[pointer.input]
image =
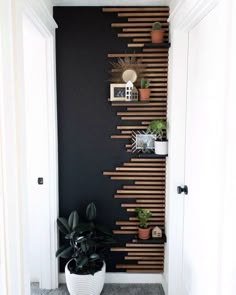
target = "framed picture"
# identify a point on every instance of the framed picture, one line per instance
(143, 142)
(117, 92)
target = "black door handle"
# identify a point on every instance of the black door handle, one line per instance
(182, 189)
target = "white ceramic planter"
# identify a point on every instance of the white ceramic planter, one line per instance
(85, 284)
(161, 147)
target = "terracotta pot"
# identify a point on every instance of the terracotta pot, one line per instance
(157, 36)
(144, 233)
(144, 94)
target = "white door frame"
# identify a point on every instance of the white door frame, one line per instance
(183, 18)
(14, 266)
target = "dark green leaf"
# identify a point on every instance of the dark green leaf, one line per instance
(91, 211)
(64, 252)
(80, 239)
(81, 262)
(94, 256)
(63, 225)
(70, 235)
(73, 220)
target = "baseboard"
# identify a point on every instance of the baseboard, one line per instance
(127, 278)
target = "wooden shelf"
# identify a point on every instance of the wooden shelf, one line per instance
(157, 45)
(151, 241)
(151, 155)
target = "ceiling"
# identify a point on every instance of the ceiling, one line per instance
(110, 2)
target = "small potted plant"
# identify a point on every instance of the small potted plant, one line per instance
(144, 91)
(85, 245)
(157, 33)
(158, 127)
(143, 230)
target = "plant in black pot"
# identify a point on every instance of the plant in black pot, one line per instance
(143, 230)
(158, 127)
(85, 247)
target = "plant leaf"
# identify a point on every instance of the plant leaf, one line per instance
(63, 225)
(91, 211)
(64, 251)
(73, 220)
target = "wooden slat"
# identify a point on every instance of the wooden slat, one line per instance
(162, 187)
(111, 173)
(139, 113)
(113, 55)
(128, 249)
(143, 258)
(147, 208)
(151, 218)
(144, 271)
(149, 201)
(145, 164)
(145, 14)
(140, 9)
(162, 20)
(145, 253)
(129, 223)
(138, 197)
(145, 262)
(142, 192)
(161, 160)
(130, 127)
(158, 246)
(120, 136)
(140, 169)
(143, 206)
(136, 266)
(136, 178)
(125, 232)
(142, 118)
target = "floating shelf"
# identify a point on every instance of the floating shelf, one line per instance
(151, 155)
(157, 45)
(151, 241)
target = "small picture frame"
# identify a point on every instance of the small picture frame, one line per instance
(143, 142)
(117, 92)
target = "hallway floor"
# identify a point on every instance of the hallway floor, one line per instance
(109, 289)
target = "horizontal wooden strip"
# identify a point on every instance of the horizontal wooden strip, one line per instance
(153, 60)
(144, 164)
(120, 136)
(141, 40)
(147, 208)
(138, 113)
(152, 70)
(132, 35)
(147, 187)
(138, 245)
(127, 249)
(143, 9)
(157, 206)
(145, 253)
(125, 232)
(144, 271)
(138, 197)
(161, 160)
(154, 65)
(113, 55)
(130, 127)
(135, 25)
(147, 109)
(136, 178)
(145, 14)
(142, 118)
(149, 201)
(140, 169)
(129, 223)
(143, 192)
(111, 173)
(162, 20)
(144, 258)
(148, 183)
(127, 104)
(145, 262)
(129, 227)
(127, 132)
(136, 266)
(151, 218)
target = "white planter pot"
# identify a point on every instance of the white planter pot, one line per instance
(85, 284)
(161, 147)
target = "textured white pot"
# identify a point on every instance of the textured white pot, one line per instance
(85, 284)
(161, 147)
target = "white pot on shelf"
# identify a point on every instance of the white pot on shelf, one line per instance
(85, 284)
(161, 148)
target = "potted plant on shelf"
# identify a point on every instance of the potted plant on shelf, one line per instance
(157, 33)
(143, 230)
(158, 127)
(144, 91)
(85, 248)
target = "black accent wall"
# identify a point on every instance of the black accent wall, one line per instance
(85, 117)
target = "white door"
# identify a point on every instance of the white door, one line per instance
(204, 158)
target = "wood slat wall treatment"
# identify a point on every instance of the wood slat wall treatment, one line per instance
(145, 176)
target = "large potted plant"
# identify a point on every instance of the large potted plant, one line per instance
(144, 91)
(158, 128)
(85, 247)
(143, 230)
(157, 33)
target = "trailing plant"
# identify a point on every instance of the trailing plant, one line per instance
(157, 127)
(143, 215)
(85, 242)
(144, 84)
(156, 26)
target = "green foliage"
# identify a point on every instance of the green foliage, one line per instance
(157, 127)
(144, 84)
(156, 26)
(85, 242)
(143, 215)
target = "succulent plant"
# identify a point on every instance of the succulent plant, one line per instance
(144, 84)
(157, 127)
(143, 215)
(156, 26)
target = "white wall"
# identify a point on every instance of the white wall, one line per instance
(110, 2)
